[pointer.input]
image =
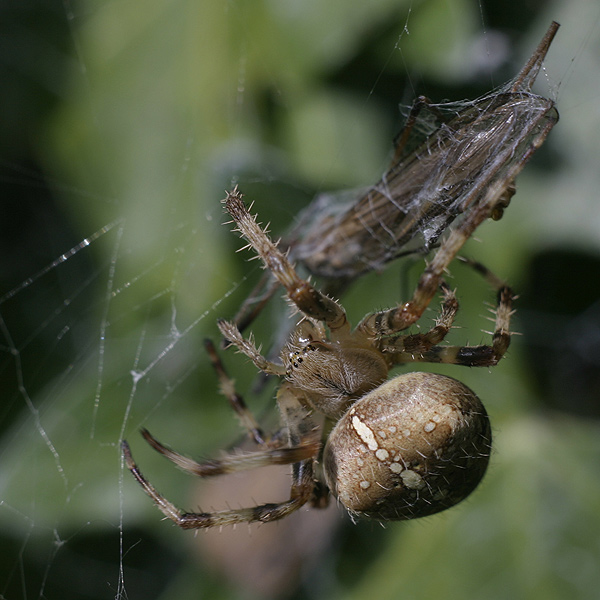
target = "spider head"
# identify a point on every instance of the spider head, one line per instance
(333, 374)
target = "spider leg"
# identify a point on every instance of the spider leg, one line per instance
(247, 346)
(301, 492)
(472, 356)
(231, 463)
(253, 305)
(418, 342)
(302, 445)
(236, 401)
(308, 299)
(295, 415)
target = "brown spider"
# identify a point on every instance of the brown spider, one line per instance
(399, 449)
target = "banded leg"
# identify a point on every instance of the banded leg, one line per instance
(472, 356)
(301, 493)
(302, 446)
(236, 401)
(231, 463)
(420, 341)
(308, 299)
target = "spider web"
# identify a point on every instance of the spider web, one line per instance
(116, 264)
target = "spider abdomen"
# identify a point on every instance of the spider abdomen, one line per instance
(416, 445)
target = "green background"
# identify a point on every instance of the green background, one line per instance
(124, 123)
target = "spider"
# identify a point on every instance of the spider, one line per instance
(386, 449)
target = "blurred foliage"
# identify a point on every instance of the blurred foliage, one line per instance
(135, 117)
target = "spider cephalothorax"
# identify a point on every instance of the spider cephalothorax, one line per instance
(399, 449)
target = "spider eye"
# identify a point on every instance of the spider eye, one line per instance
(414, 446)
